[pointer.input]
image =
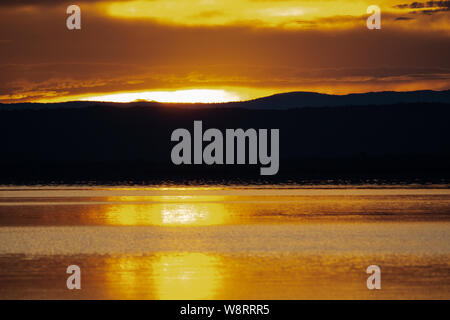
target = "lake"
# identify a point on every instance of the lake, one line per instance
(225, 242)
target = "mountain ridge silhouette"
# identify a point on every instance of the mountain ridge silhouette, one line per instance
(280, 101)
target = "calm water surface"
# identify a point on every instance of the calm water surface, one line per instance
(217, 242)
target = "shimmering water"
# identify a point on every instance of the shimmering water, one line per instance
(217, 242)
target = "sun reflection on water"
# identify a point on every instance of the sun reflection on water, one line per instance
(187, 276)
(167, 214)
(167, 276)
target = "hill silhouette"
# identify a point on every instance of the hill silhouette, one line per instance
(288, 100)
(311, 99)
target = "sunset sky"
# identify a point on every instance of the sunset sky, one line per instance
(218, 50)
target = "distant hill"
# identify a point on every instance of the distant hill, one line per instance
(311, 99)
(289, 100)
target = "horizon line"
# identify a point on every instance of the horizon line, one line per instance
(87, 100)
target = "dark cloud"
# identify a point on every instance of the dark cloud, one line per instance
(431, 11)
(438, 6)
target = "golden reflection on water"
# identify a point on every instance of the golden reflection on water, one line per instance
(186, 276)
(172, 276)
(189, 209)
(200, 210)
(205, 276)
(167, 214)
(160, 270)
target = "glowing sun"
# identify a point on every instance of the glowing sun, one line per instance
(180, 96)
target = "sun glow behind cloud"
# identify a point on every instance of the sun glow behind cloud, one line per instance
(208, 12)
(178, 96)
(266, 13)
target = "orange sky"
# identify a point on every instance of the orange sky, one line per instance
(241, 49)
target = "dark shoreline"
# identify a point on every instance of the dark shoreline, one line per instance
(317, 172)
(108, 145)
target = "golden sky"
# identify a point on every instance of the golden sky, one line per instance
(218, 50)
